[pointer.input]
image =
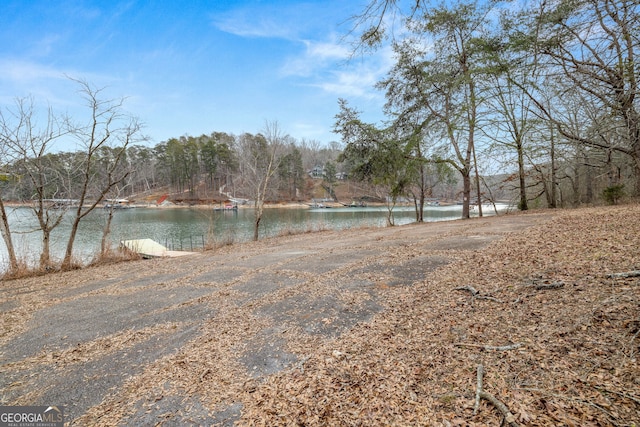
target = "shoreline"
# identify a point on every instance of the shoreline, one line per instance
(278, 205)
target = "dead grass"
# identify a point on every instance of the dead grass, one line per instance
(23, 270)
(114, 256)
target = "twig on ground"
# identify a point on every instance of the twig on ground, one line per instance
(480, 393)
(543, 286)
(204, 374)
(491, 347)
(490, 298)
(478, 389)
(624, 275)
(508, 416)
(467, 288)
(475, 293)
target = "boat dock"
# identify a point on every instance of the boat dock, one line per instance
(148, 248)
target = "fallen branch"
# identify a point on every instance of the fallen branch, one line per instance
(468, 288)
(491, 347)
(508, 416)
(543, 286)
(625, 275)
(490, 298)
(541, 283)
(478, 389)
(475, 293)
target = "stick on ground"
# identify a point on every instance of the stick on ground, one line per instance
(625, 275)
(478, 389)
(508, 416)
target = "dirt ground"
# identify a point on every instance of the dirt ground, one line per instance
(357, 327)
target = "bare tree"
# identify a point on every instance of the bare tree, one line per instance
(592, 46)
(260, 157)
(5, 230)
(108, 127)
(27, 145)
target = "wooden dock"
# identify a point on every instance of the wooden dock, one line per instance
(148, 248)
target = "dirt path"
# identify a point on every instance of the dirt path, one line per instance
(187, 341)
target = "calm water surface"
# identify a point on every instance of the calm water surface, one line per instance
(191, 228)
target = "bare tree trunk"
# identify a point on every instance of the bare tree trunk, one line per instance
(48, 219)
(108, 128)
(466, 194)
(106, 232)
(390, 217)
(421, 196)
(553, 197)
(8, 241)
(475, 166)
(256, 223)
(45, 254)
(524, 204)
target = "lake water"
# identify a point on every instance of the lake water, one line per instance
(192, 228)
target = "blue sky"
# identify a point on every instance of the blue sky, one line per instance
(193, 67)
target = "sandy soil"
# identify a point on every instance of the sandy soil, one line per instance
(358, 327)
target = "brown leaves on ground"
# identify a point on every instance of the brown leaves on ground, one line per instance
(578, 365)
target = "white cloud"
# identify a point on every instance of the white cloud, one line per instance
(323, 59)
(262, 28)
(48, 85)
(329, 66)
(24, 71)
(328, 50)
(316, 56)
(266, 21)
(359, 83)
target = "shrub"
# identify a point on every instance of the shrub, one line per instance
(613, 194)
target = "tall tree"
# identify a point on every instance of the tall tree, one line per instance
(261, 155)
(511, 119)
(291, 172)
(438, 86)
(107, 126)
(143, 164)
(27, 143)
(174, 159)
(5, 229)
(592, 45)
(374, 155)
